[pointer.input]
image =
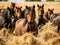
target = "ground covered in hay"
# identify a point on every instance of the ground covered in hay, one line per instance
(47, 35)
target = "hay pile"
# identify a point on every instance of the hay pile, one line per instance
(3, 36)
(26, 39)
(47, 35)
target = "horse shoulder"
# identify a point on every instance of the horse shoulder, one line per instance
(18, 21)
(19, 28)
(24, 29)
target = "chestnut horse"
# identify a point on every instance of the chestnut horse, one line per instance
(17, 13)
(27, 24)
(48, 13)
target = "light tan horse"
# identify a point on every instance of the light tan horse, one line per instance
(27, 24)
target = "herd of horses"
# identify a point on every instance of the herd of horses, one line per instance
(21, 21)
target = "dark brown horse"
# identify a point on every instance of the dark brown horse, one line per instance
(27, 24)
(5, 15)
(11, 19)
(40, 19)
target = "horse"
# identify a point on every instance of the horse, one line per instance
(40, 19)
(55, 20)
(27, 24)
(5, 15)
(54, 15)
(1, 22)
(11, 19)
(49, 13)
(17, 13)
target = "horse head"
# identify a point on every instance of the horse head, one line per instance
(40, 10)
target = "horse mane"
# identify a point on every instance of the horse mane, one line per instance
(25, 21)
(46, 14)
(23, 14)
(33, 13)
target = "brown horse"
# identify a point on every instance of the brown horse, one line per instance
(17, 13)
(27, 24)
(48, 13)
(40, 19)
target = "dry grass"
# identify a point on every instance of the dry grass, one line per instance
(47, 36)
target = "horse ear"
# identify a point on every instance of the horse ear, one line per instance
(16, 7)
(43, 6)
(8, 8)
(48, 9)
(37, 5)
(20, 7)
(26, 7)
(34, 6)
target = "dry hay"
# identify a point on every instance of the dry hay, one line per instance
(4, 32)
(47, 35)
(48, 26)
(41, 42)
(2, 42)
(55, 41)
(26, 39)
(3, 36)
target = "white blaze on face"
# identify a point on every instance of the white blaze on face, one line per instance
(18, 15)
(37, 19)
(12, 20)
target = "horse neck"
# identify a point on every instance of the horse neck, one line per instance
(46, 15)
(31, 27)
(25, 22)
